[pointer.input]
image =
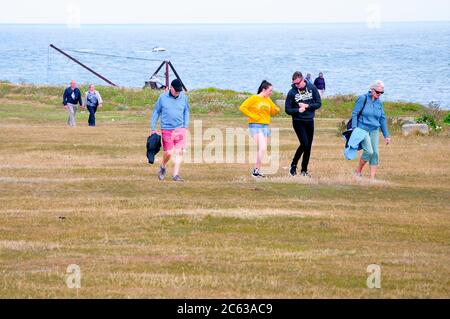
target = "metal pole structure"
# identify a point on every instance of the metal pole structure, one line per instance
(159, 68)
(167, 74)
(176, 74)
(84, 66)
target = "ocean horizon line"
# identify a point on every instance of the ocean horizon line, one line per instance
(228, 23)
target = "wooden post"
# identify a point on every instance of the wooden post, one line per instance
(167, 73)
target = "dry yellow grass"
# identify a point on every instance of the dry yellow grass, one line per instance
(87, 196)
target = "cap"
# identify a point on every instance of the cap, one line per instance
(177, 85)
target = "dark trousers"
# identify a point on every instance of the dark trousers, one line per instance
(305, 135)
(92, 110)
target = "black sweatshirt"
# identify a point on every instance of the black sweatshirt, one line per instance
(308, 95)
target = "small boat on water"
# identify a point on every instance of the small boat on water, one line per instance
(158, 49)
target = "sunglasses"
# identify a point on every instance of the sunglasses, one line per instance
(378, 92)
(297, 83)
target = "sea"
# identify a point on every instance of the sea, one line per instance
(413, 59)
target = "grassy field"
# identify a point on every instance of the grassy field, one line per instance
(87, 196)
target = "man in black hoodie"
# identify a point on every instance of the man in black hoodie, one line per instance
(301, 103)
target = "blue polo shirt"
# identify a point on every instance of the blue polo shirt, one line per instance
(173, 111)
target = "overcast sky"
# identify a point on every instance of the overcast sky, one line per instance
(227, 11)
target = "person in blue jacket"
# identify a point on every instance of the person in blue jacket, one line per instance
(371, 119)
(71, 99)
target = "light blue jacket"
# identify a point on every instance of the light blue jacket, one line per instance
(372, 116)
(354, 144)
(174, 112)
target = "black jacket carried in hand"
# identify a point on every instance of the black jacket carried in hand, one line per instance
(308, 95)
(153, 147)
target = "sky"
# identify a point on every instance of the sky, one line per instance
(228, 11)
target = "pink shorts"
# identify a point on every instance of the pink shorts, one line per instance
(173, 138)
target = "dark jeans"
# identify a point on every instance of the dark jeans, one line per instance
(305, 135)
(92, 110)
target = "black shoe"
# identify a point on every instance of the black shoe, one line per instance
(305, 174)
(256, 173)
(293, 170)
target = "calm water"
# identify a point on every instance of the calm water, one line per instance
(412, 58)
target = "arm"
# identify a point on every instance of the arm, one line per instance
(156, 114)
(359, 104)
(244, 108)
(290, 106)
(274, 109)
(383, 124)
(317, 101)
(186, 114)
(80, 100)
(65, 98)
(100, 100)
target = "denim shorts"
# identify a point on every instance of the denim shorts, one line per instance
(255, 128)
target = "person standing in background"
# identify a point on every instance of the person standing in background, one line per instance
(319, 82)
(309, 78)
(71, 99)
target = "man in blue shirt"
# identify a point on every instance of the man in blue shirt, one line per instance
(71, 99)
(173, 109)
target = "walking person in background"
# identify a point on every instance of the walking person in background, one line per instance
(319, 82)
(368, 115)
(259, 108)
(302, 101)
(173, 109)
(92, 100)
(71, 99)
(309, 78)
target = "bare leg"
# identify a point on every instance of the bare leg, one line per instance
(360, 166)
(166, 158)
(177, 161)
(261, 142)
(373, 171)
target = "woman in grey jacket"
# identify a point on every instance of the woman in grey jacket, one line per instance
(92, 100)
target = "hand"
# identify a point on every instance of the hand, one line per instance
(100, 105)
(302, 109)
(65, 106)
(155, 132)
(387, 140)
(303, 105)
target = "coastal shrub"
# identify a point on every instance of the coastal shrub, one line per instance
(429, 120)
(447, 119)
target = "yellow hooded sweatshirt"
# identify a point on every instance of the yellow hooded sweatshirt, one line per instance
(259, 109)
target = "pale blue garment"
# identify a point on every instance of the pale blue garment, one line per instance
(354, 144)
(370, 146)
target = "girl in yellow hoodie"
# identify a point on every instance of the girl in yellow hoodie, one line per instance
(258, 108)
